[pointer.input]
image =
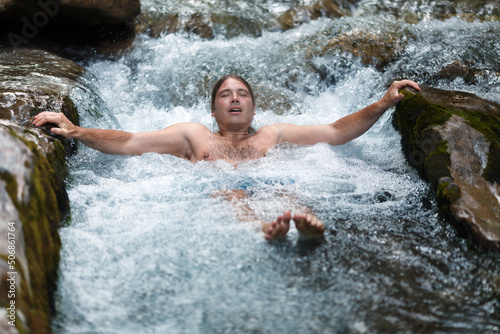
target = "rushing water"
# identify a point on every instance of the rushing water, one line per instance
(152, 248)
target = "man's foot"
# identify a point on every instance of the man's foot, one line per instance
(277, 228)
(309, 226)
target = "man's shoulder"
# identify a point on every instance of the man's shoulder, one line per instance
(269, 128)
(188, 126)
(276, 128)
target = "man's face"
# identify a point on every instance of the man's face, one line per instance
(234, 108)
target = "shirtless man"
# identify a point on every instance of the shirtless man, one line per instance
(233, 107)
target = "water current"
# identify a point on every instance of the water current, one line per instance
(152, 248)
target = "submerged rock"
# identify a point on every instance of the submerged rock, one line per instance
(453, 139)
(205, 19)
(415, 11)
(304, 13)
(232, 18)
(467, 70)
(378, 49)
(33, 196)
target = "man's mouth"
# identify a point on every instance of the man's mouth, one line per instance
(235, 110)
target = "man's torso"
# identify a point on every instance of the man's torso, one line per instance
(212, 146)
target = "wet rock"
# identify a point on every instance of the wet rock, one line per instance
(453, 139)
(468, 10)
(373, 49)
(466, 70)
(33, 196)
(206, 20)
(305, 13)
(33, 81)
(230, 18)
(199, 25)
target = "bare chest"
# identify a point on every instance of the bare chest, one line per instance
(217, 148)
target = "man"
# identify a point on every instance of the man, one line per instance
(233, 107)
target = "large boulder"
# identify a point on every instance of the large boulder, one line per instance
(85, 12)
(104, 25)
(453, 139)
(33, 198)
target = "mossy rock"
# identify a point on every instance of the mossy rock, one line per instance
(32, 174)
(413, 115)
(453, 140)
(35, 188)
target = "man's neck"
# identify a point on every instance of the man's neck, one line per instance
(234, 135)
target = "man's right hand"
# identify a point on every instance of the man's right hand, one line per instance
(64, 126)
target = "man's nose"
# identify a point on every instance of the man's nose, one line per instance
(234, 97)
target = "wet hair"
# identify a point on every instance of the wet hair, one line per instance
(219, 83)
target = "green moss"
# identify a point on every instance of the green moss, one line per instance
(415, 114)
(41, 220)
(69, 109)
(492, 170)
(11, 183)
(437, 163)
(447, 194)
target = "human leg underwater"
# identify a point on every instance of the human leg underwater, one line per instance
(307, 224)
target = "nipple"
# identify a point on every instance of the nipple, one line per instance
(206, 156)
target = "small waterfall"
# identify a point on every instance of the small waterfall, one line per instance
(152, 248)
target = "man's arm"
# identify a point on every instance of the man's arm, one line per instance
(348, 127)
(171, 140)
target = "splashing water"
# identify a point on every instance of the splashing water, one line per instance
(152, 249)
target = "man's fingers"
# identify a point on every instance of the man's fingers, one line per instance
(403, 83)
(47, 117)
(64, 126)
(415, 85)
